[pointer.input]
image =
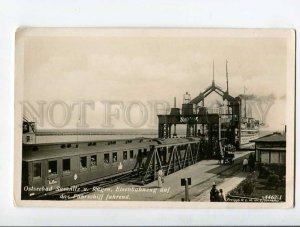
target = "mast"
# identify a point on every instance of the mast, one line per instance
(174, 102)
(245, 101)
(227, 76)
(227, 86)
(213, 82)
(175, 133)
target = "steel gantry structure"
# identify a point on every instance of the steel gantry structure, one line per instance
(213, 124)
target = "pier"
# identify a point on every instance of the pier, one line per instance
(202, 175)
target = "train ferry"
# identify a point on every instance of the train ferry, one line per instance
(249, 130)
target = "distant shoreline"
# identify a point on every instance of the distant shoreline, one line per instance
(98, 132)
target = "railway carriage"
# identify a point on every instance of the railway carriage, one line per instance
(47, 167)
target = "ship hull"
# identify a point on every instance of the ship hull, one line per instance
(247, 136)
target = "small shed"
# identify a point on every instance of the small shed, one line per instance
(271, 148)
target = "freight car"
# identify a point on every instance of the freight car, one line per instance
(48, 167)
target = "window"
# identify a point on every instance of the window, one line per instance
(66, 166)
(131, 154)
(52, 167)
(37, 170)
(25, 127)
(111, 142)
(274, 155)
(27, 138)
(265, 156)
(145, 152)
(282, 157)
(35, 148)
(106, 158)
(83, 163)
(115, 157)
(124, 155)
(140, 155)
(93, 161)
(140, 152)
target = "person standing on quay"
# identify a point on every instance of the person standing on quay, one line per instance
(221, 196)
(245, 163)
(214, 193)
(251, 162)
(160, 177)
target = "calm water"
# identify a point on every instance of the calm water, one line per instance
(112, 135)
(70, 138)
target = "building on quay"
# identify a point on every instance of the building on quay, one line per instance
(271, 149)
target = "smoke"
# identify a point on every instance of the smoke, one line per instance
(263, 98)
(267, 98)
(248, 97)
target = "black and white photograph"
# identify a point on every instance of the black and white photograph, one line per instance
(155, 117)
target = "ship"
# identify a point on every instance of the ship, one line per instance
(249, 130)
(249, 126)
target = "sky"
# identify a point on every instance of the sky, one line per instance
(146, 68)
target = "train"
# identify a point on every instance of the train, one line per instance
(48, 167)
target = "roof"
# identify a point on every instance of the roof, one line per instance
(48, 152)
(177, 140)
(275, 137)
(272, 148)
(32, 152)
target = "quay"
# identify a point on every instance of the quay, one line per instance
(202, 175)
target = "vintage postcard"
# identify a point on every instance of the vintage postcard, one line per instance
(146, 117)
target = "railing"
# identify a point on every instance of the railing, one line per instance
(219, 110)
(174, 168)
